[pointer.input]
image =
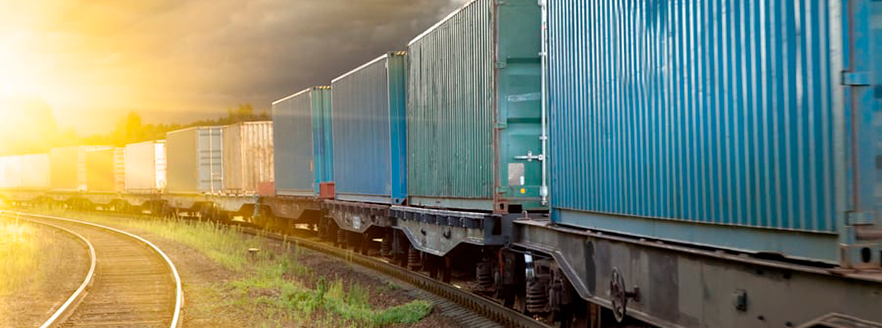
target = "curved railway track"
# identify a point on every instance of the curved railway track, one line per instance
(131, 282)
(480, 306)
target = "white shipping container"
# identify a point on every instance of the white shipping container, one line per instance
(10, 172)
(247, 156)
(35, 171)
(195, 160)
(145, 167)
(67, 167)
(24, 172)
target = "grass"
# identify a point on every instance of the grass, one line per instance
(276, 284)
(39, 262)
(19, 253)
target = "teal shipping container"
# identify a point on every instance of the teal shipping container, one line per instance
(743, 125)
(369, 131)
(302, 141)
(474, 110)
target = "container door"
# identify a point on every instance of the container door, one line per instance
(875, 57)
(863, 100)
(862, 41)
(518, 128)
(210, 160)
(321, 134)
(161, 166)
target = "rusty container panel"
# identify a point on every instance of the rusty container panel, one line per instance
(248, 156)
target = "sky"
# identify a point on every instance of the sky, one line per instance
(175, 61)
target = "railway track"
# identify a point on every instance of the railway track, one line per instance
(482, 306)
(131, 282)
(484, 312)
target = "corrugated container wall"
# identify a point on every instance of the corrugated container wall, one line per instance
(248, 156)
(67, 167)
(145, 167)
(716, 123)
(24, 172)
(370, 133)
(474, 106)
(302, 140)
(100, 170)
(195, 160)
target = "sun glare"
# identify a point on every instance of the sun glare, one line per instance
(14, 79)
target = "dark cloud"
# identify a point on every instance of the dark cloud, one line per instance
(179, 60)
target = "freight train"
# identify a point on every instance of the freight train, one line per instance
(680, 163)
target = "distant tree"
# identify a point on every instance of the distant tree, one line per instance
(131, 129)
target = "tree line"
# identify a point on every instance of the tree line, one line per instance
(131, 128)
(28, 125)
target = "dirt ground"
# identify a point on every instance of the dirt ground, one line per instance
(45, 267)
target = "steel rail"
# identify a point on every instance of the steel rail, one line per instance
(80, 292)
(179, 294)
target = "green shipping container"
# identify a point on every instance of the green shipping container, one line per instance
(474, 109)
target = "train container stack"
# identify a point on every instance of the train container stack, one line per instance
(69, 167)
(101, 170)
(369, 135)
(145, 167)
(10, 172)
(709, 161)
(247, 157)
(195, 160)
(474, 152)
(303, 156)
(23, 178)
(709, 142)
(302, 138)
(473, 117)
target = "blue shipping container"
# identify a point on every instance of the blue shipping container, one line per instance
(720, 123)
(369, 131)
(302, 141)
